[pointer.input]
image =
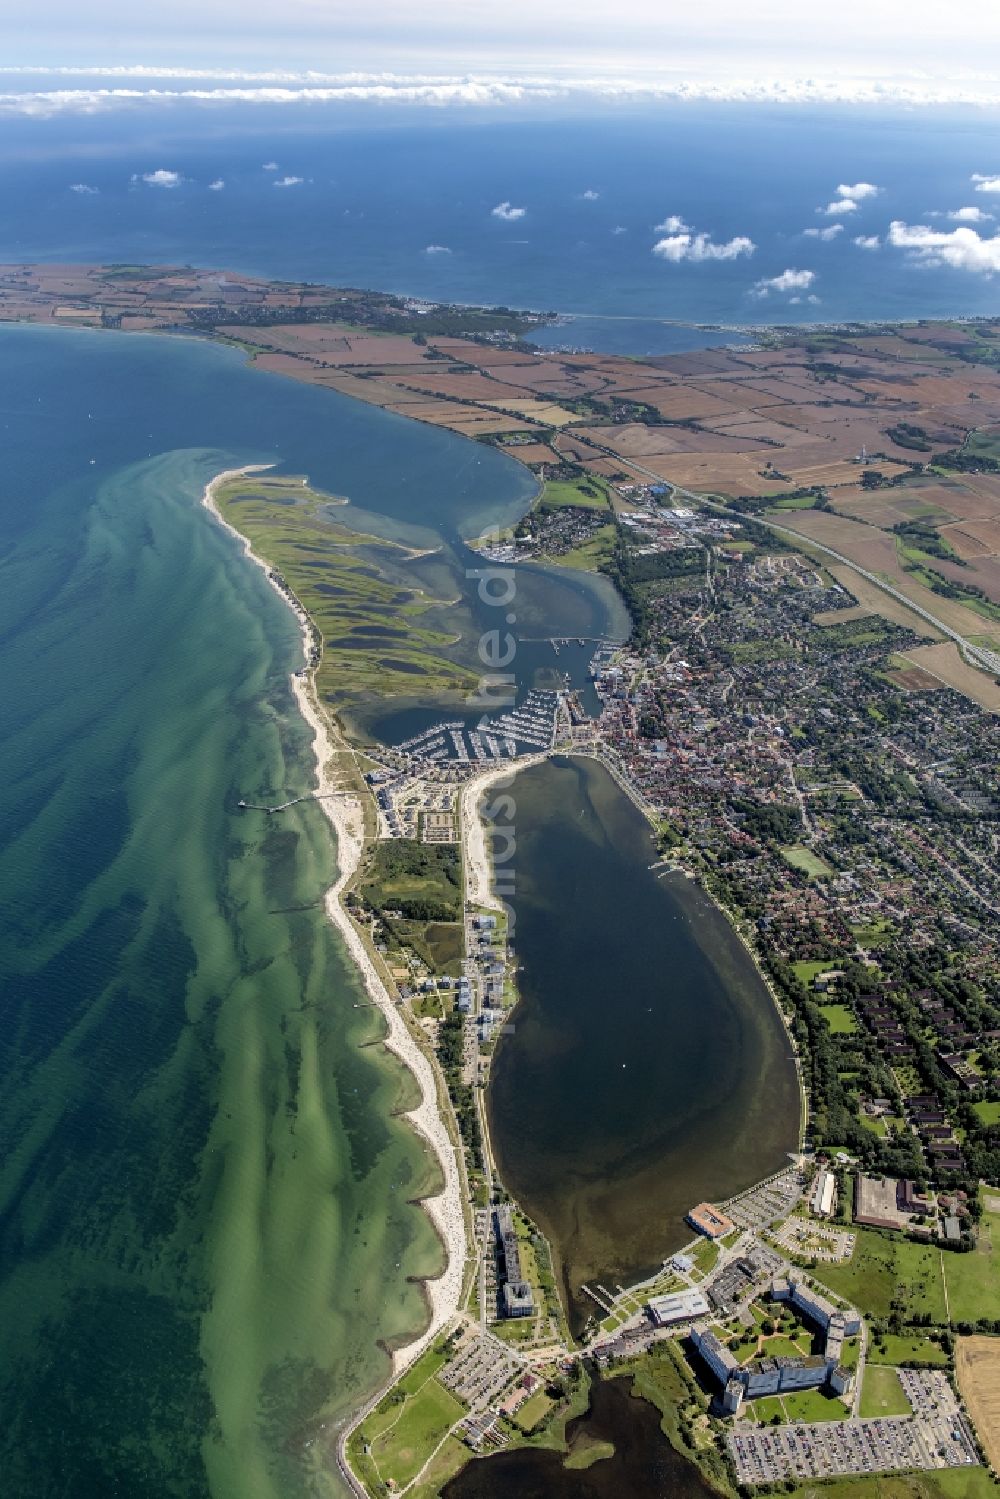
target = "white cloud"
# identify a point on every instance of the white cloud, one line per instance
(217, 185)
(83, 188)
(962, 249)
(789, 280)
(619, 229)
(269, 166)
(985, 184)
(672, 224)
(839, 205)
(858, 191)
(135, 85)
(866, 241)
(698, 247)
(437, 250)
(160, 178)
(826, 234)
(590, 196)
(969, 216)
(507, 212)
(287, 181)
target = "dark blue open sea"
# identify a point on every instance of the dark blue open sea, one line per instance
(402, 199)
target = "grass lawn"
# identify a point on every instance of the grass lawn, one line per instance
(586, 493)
(451, 1459)
(534, 1408)
(813, 1405)
(780, 1347)
(987, 1113)
(401, 1450)
(764, 1409)
(903, 1350)
(806, 971)
(882, 1266)
(948, 1483)
(973, 1279)
(706, 1255)
(882, 1393)
(811, 864)
(839, 1018)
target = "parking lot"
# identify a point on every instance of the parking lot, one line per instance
(481, 1370)
(767, 1203)
(936, 1436)
(816, 1241)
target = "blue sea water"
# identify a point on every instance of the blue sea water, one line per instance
(402, 200)
(208, 1210)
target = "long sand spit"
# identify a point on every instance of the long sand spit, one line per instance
(445, 1208)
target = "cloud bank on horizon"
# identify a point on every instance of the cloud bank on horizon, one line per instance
(101, 87)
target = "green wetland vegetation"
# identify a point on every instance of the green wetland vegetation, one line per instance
(380, 629)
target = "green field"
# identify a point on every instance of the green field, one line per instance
(585, 493)
(882, 1269)
(949, 1483)
(765, 1409)
(806, 970)
(974, 1279)
(882, 1393)
(383, 635)
(534, 1408)
(809, 863)
(813, 1405)
(840, 1019)
(907, 1350)
(451, 1459)
(402, 1448)
(987, 1113)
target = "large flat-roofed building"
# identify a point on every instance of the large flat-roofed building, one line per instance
(683, 1306)
(516, 1299)
(816, 1307)
(708, 1220)
(716, 1355)
(824, 1194)
(876, 1203)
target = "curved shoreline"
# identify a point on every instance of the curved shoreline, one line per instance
(445, 1208)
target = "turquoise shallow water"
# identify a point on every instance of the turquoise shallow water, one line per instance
(206, 1225)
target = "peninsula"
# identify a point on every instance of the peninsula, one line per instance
(807, 536)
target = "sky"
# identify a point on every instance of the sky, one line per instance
(919, 42)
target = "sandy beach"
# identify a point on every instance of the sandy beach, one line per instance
(478, 865)
(446, 1208)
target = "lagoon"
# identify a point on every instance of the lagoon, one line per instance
(646, 1068)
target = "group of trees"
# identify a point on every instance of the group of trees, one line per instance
(450, 1043)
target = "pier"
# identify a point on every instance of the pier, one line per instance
(309, 796)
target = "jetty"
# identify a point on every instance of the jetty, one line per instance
(309, 796)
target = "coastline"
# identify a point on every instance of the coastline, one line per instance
(446, 1207)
